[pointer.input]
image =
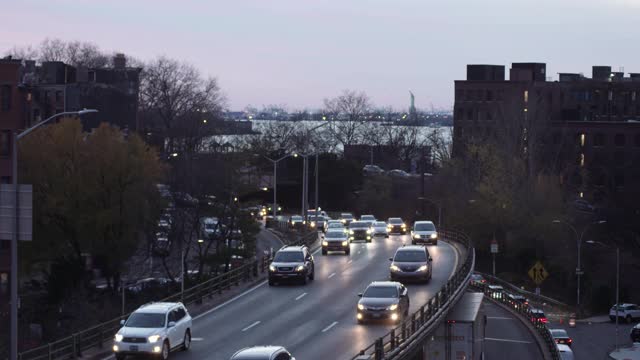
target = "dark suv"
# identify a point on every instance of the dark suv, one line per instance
(360, 230)
(396, 226)
(411, 263)
(292, 262)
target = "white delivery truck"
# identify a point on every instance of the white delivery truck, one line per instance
(461, 335)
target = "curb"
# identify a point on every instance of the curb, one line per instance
(543, 349)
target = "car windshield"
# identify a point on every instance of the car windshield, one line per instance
(358, 225)
(336, 234)
(316, 218)
(288, 256)
(296, 218)
(559, 333)
(424, 227)
(620, 307)
(335, 225)
(381, 292)
(367, 217)
(395, 221)
(410, 256)
(380, 224)
(346, 216)
(146, 320)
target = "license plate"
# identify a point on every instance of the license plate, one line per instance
(376, 315)
(133, 348)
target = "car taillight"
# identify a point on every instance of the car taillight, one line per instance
(544, 320)
(569, 340)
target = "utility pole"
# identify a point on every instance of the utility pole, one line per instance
(617, 292)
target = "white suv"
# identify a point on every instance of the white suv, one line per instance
(627, 312)
(424, 232)
(154, 328)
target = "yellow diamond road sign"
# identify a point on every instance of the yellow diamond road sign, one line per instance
(538, 273)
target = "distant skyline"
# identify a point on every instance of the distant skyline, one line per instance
(297, 53)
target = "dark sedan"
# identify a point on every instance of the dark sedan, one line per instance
(396, 226)
(383, 300)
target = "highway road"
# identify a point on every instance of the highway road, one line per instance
(316, 321)
(506, 337)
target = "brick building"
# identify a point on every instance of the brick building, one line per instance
(577, 123)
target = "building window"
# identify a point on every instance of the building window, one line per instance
(598, 139)
(619, 139)
(5, 143)
(58, 96)
(5, 97)
(619, 158)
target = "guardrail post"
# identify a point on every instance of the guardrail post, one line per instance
(404, 332)
(100, 342)
(49, 352)
(422, 320)
(75, 354)
(393, 338)
(379, 352)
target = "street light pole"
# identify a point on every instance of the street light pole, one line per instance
(275, 181)
(617, 291)
(16, 227)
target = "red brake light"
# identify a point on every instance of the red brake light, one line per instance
(569, 340)
(544, 320)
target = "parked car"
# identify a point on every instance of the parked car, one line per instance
(292, 263)
(627, 312)
(372, 170)
(560, 336)
(380, 229)
(411, 262)
(635, 333)
(424, 232)
(209, 227)
(263, 353)
(383, 300)
(154, 329)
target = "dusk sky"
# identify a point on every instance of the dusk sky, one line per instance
(298, 52)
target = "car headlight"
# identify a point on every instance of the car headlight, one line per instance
(351, 232)
(434, 235)
(119, 337)
(392, 307)
(325, 243)
(343, 221)
(272, 268)
(369, 231)
(300, 268)
(153, 338)
(422, 268)
(361, 307)
(416, 236)
(403, 225)
(313, 224)
(394, 268)
(345, 243)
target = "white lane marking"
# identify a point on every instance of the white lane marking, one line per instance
(197, 339)
(301, 296)
(332, 275)
(230, 301)
(349, 262)
(330, 326)
(499, 318)
(455, 264)
(509, 340)
(250, 326)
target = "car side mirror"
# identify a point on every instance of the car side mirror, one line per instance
(390, 259)
(171, 324)
(122, 322)
(430, 258)
(360, 295)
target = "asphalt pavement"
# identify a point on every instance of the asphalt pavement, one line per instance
(316, 321)
(506, 337)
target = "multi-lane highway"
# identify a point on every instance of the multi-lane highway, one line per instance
(316, 321)
(506, 337)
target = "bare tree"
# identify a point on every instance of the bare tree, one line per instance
(176, 98)
(23, 52)
(76, 53)
(350, 109)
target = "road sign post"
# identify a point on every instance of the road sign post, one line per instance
(494, 251)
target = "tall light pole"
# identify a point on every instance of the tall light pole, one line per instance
(275, 174)
(16, 226)
(579, 246)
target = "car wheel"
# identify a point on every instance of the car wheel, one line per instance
(313, 274)
(164, 353)
(369, 240)
(386, 236)
(629, 319)
(324, 252)
(347, 252)
(304, 280)
(186, 342)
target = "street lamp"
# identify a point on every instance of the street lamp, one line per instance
(617, 282)
(579, 245)
(14, 241)
(275, 174)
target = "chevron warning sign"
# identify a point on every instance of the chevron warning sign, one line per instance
(538, 273)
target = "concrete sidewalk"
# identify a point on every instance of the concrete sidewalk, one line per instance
(628, 353)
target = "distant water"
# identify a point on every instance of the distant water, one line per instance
(424, 131)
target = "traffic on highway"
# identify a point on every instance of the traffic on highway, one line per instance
(316, 303)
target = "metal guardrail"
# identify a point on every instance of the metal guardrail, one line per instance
(405, 339)
(71, 347)
(524, 312)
